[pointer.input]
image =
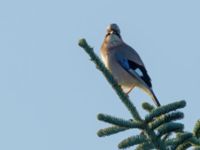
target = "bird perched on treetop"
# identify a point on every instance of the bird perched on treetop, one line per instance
(124, 63)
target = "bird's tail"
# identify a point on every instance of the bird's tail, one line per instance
(150, 92)
(156, 101)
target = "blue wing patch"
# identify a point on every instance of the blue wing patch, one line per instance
(123, 62)
(130, 66)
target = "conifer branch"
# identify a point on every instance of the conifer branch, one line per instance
(166, 118)
(196, 130)
(120, 122)
(195, 141)
(131, 141)
(165, 109)
(148, 107)
(184, 146)
(145, 146)
(111, 130)
(170, 127)
(181, 139)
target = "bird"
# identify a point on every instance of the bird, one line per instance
(125, 64)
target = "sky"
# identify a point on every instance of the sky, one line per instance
(50, 91)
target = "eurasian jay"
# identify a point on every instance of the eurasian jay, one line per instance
(125, 64)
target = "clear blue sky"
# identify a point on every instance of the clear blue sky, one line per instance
(50, 93)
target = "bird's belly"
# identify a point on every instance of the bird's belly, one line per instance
(124, 79)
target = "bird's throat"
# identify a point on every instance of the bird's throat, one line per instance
(113, 41)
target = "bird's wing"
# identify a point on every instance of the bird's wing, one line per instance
(129, 60)
(132, 63)
(129, 53)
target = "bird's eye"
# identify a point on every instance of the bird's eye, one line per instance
(108, 34)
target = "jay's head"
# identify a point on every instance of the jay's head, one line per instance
(113, 29)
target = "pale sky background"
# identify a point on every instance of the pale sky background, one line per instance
(51, 93)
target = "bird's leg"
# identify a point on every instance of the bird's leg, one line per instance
(129, 91)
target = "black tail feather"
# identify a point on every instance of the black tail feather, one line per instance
(156, 101)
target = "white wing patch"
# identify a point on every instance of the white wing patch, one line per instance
(139, 72)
